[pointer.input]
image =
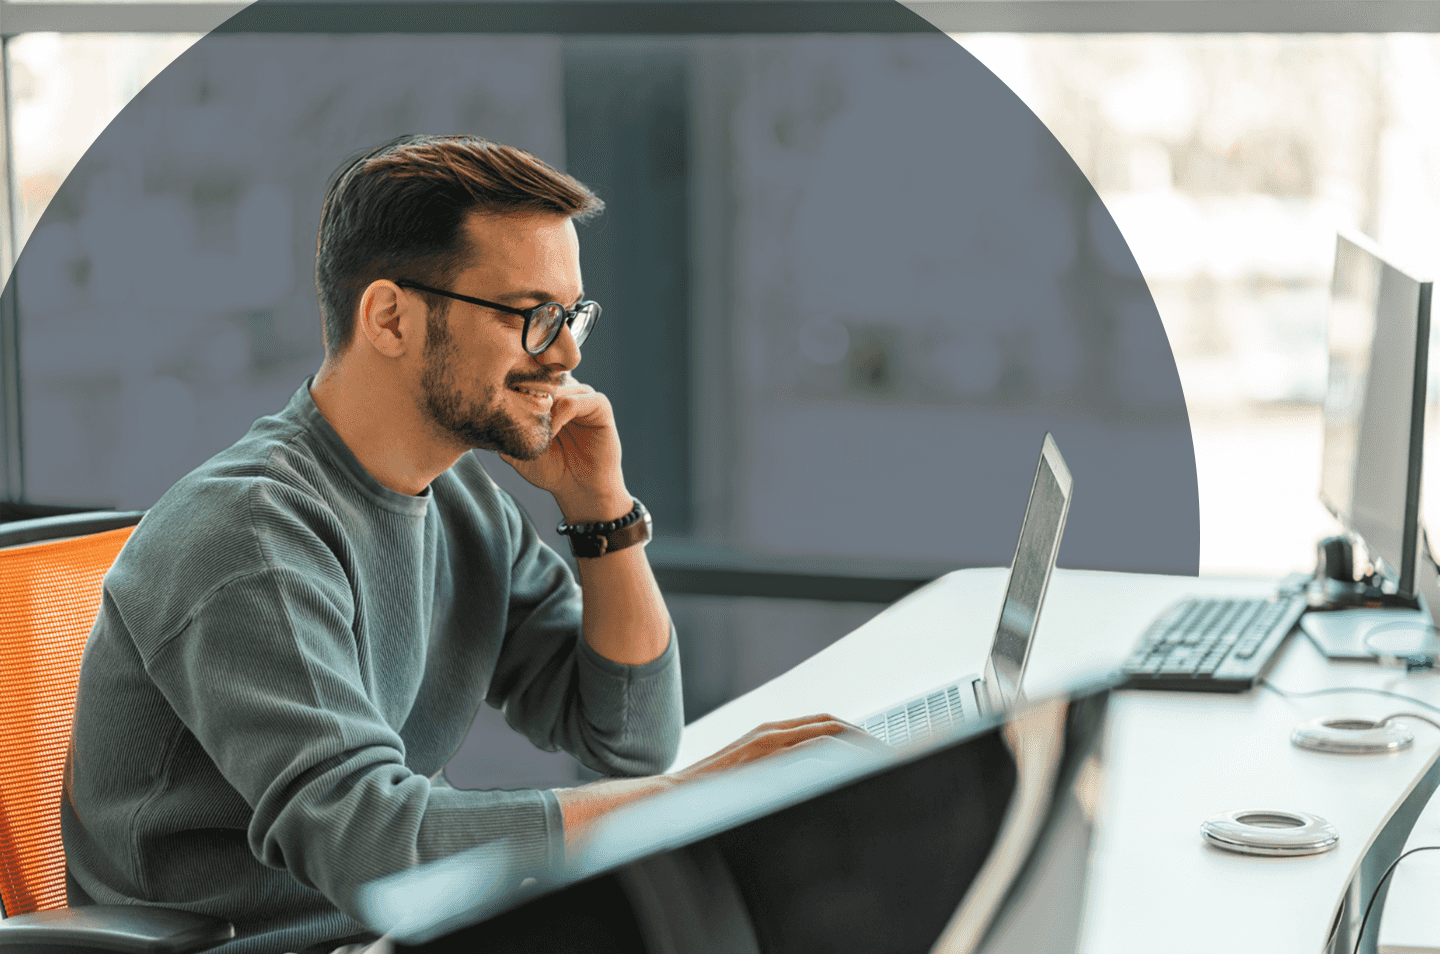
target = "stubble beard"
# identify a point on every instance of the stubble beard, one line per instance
(482, 424)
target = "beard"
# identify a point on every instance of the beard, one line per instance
(482, 424)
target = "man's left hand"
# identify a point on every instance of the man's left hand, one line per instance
(581, 467)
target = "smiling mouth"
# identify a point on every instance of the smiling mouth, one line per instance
(543, 396)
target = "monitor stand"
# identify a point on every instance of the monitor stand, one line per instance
(1343, 611)
(1325, 595)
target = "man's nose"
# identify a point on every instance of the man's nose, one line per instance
(563, 353)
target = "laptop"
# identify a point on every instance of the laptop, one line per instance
(997, 689)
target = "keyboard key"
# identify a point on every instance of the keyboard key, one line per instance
(1248, 645)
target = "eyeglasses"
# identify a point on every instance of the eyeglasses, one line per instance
(542, 323)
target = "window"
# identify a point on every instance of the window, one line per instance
(1229, 162)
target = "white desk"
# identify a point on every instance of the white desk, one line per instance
(1174, 759)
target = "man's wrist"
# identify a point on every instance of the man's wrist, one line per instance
(581, 808)
(596, 539)
(596, 508)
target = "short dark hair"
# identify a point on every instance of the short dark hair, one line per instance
(397, 210)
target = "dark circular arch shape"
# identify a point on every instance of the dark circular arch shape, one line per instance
(843, 173)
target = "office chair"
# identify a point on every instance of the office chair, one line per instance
(50, 583)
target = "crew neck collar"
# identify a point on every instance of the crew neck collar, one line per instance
(304, 407)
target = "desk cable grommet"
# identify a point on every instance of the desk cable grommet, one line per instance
(1356, 735)
(1352, 736)
(1270, 833)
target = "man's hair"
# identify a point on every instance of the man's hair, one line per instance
(397, 211)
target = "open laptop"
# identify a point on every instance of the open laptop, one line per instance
(942, 710)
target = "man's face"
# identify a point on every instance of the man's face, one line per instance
(479, 386)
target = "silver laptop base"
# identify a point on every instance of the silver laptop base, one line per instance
(937, 713)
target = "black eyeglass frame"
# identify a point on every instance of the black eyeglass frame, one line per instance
(527, 313)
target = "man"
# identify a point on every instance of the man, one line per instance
(298, 634)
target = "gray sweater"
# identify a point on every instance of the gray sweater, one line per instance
(287, 654)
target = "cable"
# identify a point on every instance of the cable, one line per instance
(1287, 694)
(1381, 883)
(1407, 715)
(1267, 684)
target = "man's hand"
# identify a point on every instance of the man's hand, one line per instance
(788, 736)
(582, 807)
(581, 467)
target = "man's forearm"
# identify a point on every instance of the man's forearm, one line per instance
(582, 807)
(625, 619)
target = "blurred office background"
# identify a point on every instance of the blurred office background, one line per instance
(1227, 158)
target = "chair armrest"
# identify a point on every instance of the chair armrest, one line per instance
(118, 928)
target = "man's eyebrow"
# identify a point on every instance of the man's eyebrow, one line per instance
(535, 295)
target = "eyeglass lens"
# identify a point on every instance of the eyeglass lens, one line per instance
(545, 326)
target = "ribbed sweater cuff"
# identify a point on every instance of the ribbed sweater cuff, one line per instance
(527, 823)
(626, 672)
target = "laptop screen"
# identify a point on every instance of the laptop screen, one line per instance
(1029, 575)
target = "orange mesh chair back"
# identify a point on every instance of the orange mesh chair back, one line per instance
(49, 598)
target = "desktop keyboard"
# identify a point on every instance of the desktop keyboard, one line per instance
(916, 721)
(1212, 645)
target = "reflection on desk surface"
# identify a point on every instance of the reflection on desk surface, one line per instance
(784, 856)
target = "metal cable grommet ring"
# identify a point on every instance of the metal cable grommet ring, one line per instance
(1352, 736)
(1266, 832)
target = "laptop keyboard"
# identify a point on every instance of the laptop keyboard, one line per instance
(1212, 645)
(919, 719)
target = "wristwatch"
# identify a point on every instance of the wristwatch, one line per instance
(599, 538)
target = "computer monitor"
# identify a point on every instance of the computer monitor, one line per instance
(1379, 341)
(1430, 476)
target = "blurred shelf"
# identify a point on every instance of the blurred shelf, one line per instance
(683, 567)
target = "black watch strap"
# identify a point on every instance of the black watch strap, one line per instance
(597, 539)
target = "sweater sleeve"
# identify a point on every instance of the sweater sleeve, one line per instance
(560, 693)
(267, 678)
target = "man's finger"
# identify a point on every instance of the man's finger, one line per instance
(775, 740)
(859, 737)
(587, 408)
(839, 747)
(801, 720)
(569, 408)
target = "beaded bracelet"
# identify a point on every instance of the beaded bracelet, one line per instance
(602, 526)
(606, 536)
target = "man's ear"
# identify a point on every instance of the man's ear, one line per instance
(390, 320)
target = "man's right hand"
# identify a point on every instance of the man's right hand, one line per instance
(582, 807)
(810, 732)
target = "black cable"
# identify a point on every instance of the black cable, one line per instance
(1267, 684)
(1381, 883)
